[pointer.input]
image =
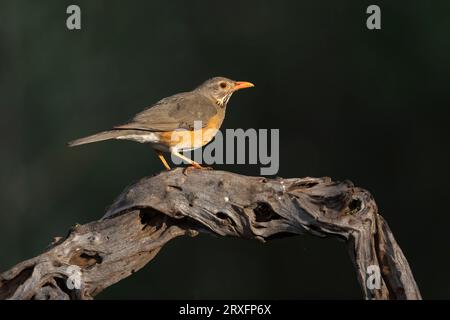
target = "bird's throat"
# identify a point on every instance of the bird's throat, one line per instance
(222, 102)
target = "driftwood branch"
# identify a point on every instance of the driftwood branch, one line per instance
(185, 202)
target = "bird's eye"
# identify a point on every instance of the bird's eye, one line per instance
(223, 85)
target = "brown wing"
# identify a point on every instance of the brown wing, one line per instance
(175, 112)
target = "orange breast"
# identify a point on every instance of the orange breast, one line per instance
(192, 139)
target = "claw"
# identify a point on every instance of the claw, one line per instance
(187, 169)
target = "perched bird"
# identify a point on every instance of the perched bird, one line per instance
(184, 121)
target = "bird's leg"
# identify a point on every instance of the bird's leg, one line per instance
(190, 161)
(163, 160)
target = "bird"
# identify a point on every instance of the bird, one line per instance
(181, 122)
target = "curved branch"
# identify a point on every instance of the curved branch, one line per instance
(185, 202)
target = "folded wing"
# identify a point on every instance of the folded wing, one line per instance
(176, 112)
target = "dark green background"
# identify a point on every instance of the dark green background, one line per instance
(368, 106)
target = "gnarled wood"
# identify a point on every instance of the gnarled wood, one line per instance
(185, 202)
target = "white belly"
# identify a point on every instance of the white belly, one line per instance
(149, 137)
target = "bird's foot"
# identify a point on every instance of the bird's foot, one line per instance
(205, 168)
(195, 166)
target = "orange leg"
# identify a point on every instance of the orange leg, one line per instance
(190, 161)
(163, 160)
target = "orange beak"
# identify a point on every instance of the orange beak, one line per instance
(242, 85)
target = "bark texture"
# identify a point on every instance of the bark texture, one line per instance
(185, 202)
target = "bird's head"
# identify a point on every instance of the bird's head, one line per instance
(220, 89)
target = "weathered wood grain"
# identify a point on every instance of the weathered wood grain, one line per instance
(157, 209)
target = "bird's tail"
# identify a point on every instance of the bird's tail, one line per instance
(101, 136)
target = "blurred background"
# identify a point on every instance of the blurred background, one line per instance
(350, 103)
